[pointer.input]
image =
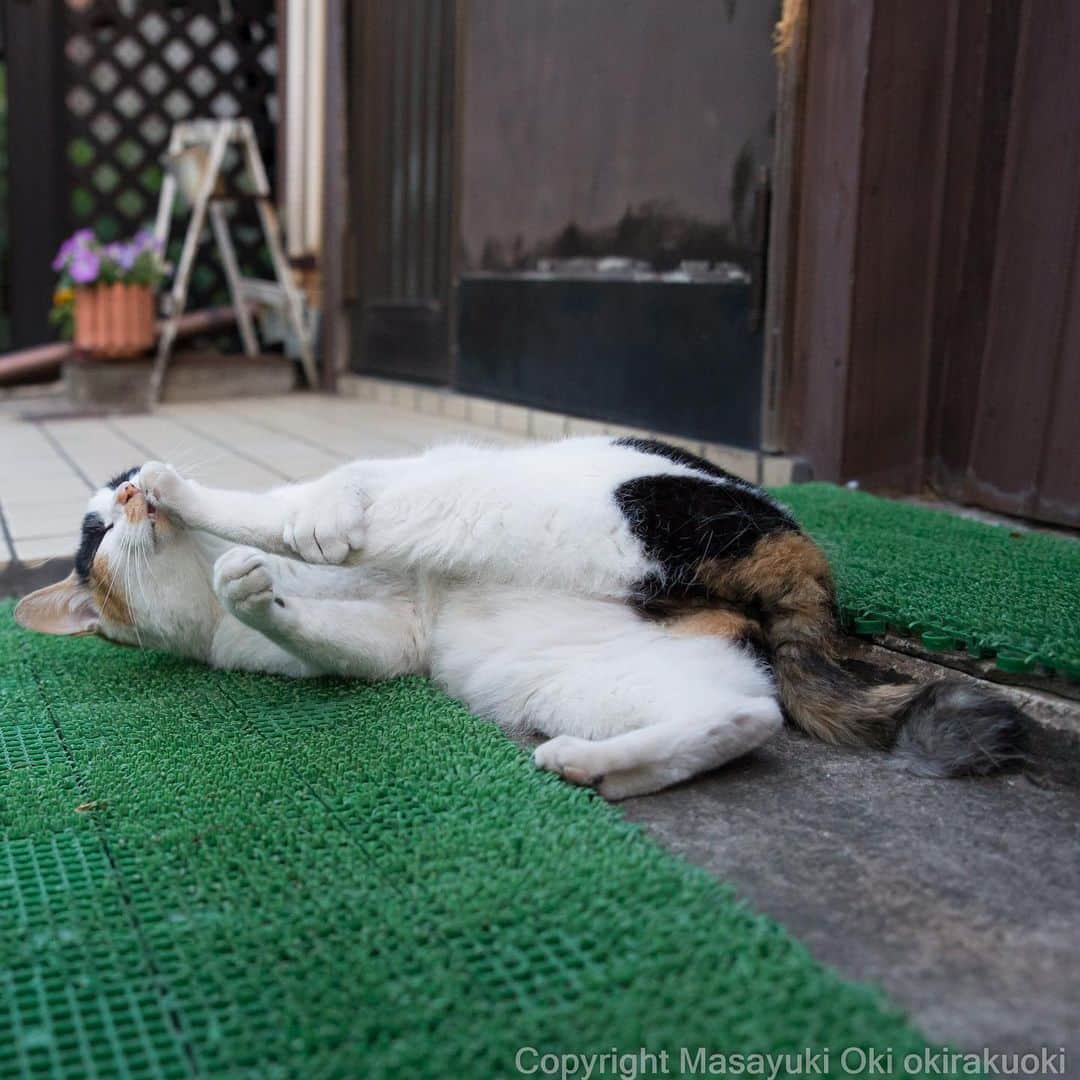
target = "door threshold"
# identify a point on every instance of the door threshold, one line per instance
(754, 465)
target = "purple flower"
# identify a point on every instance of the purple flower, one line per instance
(85, 266)
(145, 241)
(124, 255)
(71, 246)
(81, 255)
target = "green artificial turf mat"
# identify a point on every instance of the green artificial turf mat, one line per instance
(212, 874)
(950, 581)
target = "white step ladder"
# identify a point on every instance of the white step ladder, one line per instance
(198, 148)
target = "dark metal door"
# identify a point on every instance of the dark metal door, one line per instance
(613, 178)
(401, 95)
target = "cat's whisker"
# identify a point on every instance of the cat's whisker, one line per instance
(114, 568)
(186, 464)
(190, 457)
(191, 463)
(140, 555)
(200, 468)
(131, 571)
(135, 621)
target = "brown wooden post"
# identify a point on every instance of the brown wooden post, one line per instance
(1026, 439)
(335, 333)
(903, 159)
(783, 228)
(937, 316)
(980, 97)
(838, 59)
(870, 209)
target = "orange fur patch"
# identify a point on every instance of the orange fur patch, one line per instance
(788, 576)
(108, 593)
(717, 622)
(135, 509)
(782, 562)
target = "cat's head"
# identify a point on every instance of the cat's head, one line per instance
(139, 578)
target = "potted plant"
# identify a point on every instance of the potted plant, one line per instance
(105, 295)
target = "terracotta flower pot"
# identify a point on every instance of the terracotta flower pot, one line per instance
(114, 321)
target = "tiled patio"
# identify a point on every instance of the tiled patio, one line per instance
(48, 467)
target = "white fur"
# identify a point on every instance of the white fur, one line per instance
(538, 515)
(503, 574)
(661, 707)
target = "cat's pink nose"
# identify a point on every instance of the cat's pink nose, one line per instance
(125, 492)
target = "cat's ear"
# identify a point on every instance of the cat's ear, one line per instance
(64, 608)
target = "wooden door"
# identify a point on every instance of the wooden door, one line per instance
(936, 331)
(1007, 382)
(401, 98)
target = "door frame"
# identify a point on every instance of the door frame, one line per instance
(370, 179)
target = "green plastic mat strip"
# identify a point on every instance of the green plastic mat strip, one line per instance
(208, 874)
(950, 582)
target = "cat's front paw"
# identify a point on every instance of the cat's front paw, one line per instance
(163, 487)
(244, 583)
(329, 525)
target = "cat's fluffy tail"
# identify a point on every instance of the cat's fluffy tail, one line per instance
(946, 728)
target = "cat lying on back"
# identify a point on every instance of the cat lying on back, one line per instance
(651, 614)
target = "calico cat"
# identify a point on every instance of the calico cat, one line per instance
(649, 613)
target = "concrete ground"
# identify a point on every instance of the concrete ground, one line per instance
(960, 898)
(49, 465)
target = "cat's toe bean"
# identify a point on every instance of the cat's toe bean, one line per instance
(569, 757)
(235, 563)
(242, 580)
(255, 581)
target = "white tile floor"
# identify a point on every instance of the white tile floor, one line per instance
(49, 468)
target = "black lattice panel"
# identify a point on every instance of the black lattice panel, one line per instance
(132, 69)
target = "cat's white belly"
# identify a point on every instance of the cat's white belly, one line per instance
(560, 663)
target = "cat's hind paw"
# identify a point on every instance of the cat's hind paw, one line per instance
(571, 758)
(244, 584)
(586, 764)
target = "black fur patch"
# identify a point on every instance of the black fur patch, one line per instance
(121, 478)
(753, 641)
(677, 455)
(682, 520)
(93, 532)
